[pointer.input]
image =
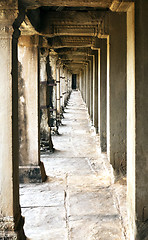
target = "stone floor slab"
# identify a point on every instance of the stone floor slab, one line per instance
(79, 200)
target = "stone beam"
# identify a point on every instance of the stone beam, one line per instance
(53, 23)
(69, 3)
(73, 51)
(72, 30)
(74, 57)
(71, 17)
(75, 66)
(71, 41)
(74, 61)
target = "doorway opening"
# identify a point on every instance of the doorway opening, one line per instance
(74, 81)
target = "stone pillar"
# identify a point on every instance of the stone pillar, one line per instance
(91, 86)
(101, 45)
(116, 92)
(95, 90)
(31, 168)
(58, 94)
(11, 222)
(44, 128)
(84, 84)
(137, 116)
(99, 90)
(80, 81)
(45, 100)
(53, 114)
(88, 86)
(62, 88)
(103, 95)
(67, 86)
(68, 83)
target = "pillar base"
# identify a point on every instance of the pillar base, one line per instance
(8, 231)
(46, 145)
(32, 174)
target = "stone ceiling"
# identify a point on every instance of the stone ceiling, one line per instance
(69, 25)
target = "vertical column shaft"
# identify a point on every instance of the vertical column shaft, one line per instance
(31, 168)
(58, 90)
(137, 115)
(91, 87)
(88, 86)
(10, 215)
(103, 95)
(95, 90)
(117, 91)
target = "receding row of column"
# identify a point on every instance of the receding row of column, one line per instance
(116, 97)
(37, 88)
(30, 79)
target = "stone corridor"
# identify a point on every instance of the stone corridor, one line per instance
(79, 200)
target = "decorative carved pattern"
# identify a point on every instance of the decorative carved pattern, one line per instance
(74, 29)
(7, 223)
(3, 43)
(8, 4)
(8, 16)
(6, 31)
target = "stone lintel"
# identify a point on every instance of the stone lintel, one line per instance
(71, 41)
(75, 61)
(73, 52)
(32, 174)
(74, 30)
(69, 3)
(74, 57)
(72, 18)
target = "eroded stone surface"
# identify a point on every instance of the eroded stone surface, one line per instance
(78, 201)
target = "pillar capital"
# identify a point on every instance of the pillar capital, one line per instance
(29, 41)
(8, 13)
(7, 18)
(44, 52)
(59, 63)
(8, 4)
(43, 42)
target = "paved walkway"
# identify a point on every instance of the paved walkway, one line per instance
(78, 201)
